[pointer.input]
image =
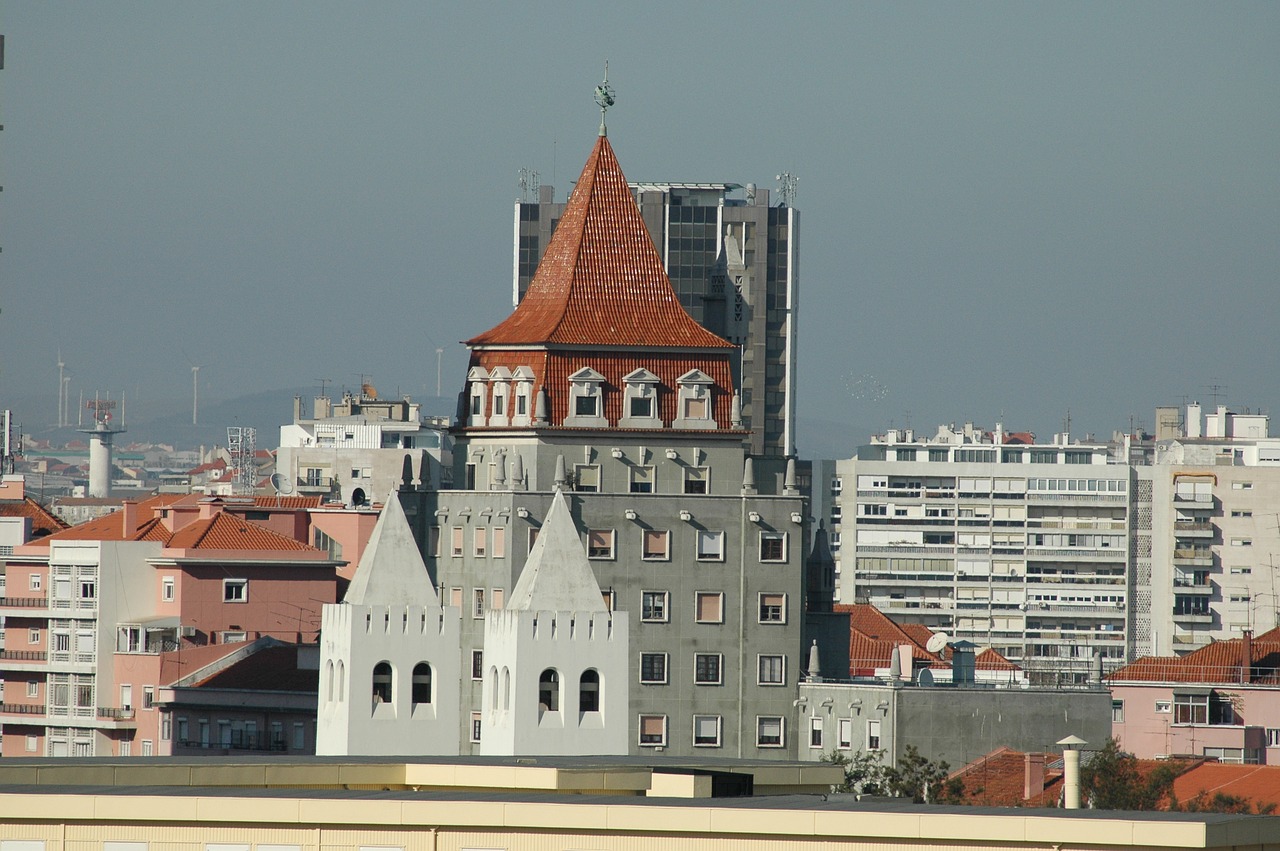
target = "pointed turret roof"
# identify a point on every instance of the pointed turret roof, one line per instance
(391, 569)
(557, 576)
(601, 281)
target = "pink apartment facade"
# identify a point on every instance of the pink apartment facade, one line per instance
(1221, 701)
(104, 615)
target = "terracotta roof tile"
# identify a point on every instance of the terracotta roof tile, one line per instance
(1217, 662)
(601, 281)
(43, 522)
(110, 527)
(1257, 783)
(999, 779)
(225, 531)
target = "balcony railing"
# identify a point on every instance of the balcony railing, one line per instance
(112, 713)
(24, 655)
(22, 708)
(25, 602)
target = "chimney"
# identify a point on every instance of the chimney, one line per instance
(1033, 775)
(129, 516)
(1246, 658)
(208, 508)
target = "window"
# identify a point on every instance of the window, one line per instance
(475, 727)
(421, 685)
(549, 691)
(33, 636)
(480, 536)
(1273, 737)
(653, 668)
(600, 543)
(1242, 486)
(709, 607)
(844, 735)
(695, 480)
(608, 598)
(656, 545)
(771, 670)
(299, 736)
(1191, 709)
(586, 478)
(873, 735)
(815, 732)
(642, 480)
(455, 597)
(148, 697)
(707, 669)
(1242, 542)
(769, 731)
(1241, 513)
(589, 691)
(477, 602)
(382, 682)
(455, 542)
(499, 548)
(167, 589)
(773, 546)
(710, 545)
(33, 744)
(695, 409)
(234, 636)
(477, 664)
(773, 608)
(653, 730)
(1164, 706)
(33, 582)
(496, 598)
(33, 688)
(235, 590)
(147, 747)
(641, 407)
(587, 406)
(706, 731)
(653, 606)
(166, 727)
(1117, 712)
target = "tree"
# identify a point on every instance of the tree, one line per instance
(923, 781)
(1221, 802)
(1111, 781)
(864, 772)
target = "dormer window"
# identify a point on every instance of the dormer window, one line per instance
(500, 382)
(640, 400)
(694, 407)
(586, 399)
(522, 392)
(478, 379)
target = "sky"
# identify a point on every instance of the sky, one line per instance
(1016, 212)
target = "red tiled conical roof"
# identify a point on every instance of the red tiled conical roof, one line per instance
(601, 281)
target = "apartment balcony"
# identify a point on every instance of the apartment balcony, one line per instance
(25, 607)
(23, 660)
(1205, 618)
(1193, 499)
(1191, 586)
(22, 712)
(1117, 582)
(1193, 528)
(1193, 555)
(92, 717)
(1077, 554)
(1083, 498)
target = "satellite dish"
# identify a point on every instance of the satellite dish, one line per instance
(937, 642)
(280, 483)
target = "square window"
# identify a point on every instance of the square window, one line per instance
(771, 670)
(706, 731)
(656, 545)
(600, 543)
(499, 548)
(653, 606)
(33, 636)
(709, 606)
(586, 478)
(653, 730)
(773, 546)
(773, 608)
(475, 727)
(707, 669)
(455, 542)
(642, 480)
(695, 409)
(480, 539)
(33, 582)
(641, 407)
(695, 480)
(710, 545)
(653, 668)
(586, 406)
(477, 664)
(815, 732)
(1164, 707)
(477, 602)
(235, 590)
(769, 731)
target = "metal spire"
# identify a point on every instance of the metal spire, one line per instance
(604, 97)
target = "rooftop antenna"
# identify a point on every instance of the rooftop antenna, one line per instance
(324, 382)
(195, 395)
(605, 98)
(787, 188)
(1217, 390)
(528, 185)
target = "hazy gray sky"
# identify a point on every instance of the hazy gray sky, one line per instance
(1016, 208)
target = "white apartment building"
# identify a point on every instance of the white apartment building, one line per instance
(992, 538)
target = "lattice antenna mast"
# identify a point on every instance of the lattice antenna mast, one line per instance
(528, 184)
(242, 446)
(787, 188)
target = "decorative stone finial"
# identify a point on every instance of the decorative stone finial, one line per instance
(604, 97)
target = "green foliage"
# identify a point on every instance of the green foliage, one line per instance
(1111, 781)
(864, 772)
(914, 777)
(1221, 802)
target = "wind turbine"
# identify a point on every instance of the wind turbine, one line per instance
(195, 395)
(62, 390)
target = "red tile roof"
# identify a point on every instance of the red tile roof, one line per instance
(42, 521)
(601, 281)
(999, 779)
(110, 527)
(226, 531)
(1218, 662)
(1259, 784)
(269, 669)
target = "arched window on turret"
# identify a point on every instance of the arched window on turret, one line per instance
(549, 691)
(382, 683)
(421, 683)
(589, 691)
(342, 681)
(328, 676)
(506, 688)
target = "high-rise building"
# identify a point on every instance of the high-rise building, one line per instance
(733, 260)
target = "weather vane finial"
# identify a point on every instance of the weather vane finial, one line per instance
(604, 97)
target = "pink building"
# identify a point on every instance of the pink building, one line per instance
(1220, 701)
(99, 614)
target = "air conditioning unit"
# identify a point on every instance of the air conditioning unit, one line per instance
(187, 631)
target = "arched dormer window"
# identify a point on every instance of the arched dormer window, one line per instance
(640, 400)
(421, 683)
(586, 399)
(694, 401)
(500, 392)
(589, 691)
(478, 390)
(522, 396)
(549, 691)
(382, 683)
